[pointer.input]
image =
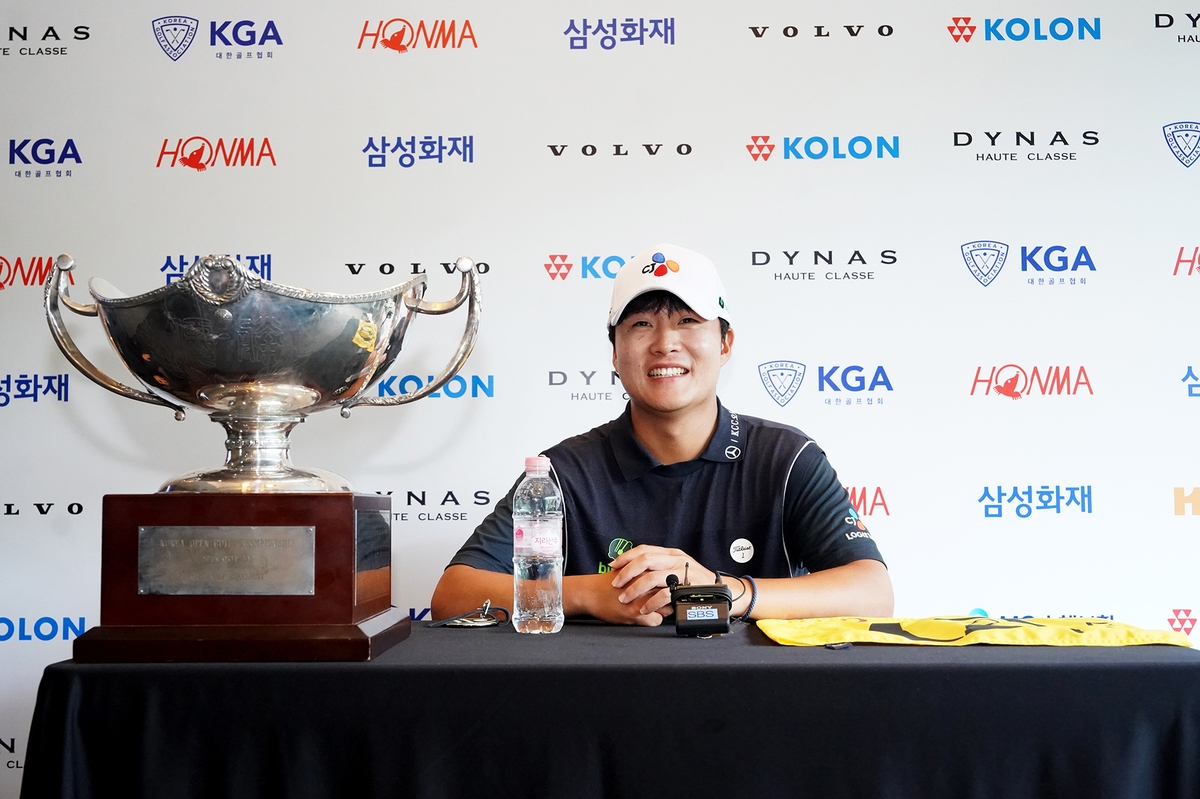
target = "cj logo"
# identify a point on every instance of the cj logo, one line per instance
(781, 379)
(985, 259)
(1184, 140)
(175, 34)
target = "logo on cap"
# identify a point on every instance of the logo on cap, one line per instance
(659, 264)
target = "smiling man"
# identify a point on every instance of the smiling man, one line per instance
(678, 479)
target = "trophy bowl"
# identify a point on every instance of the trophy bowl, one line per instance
(257, 356)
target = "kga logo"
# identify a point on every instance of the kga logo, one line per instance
(455, 388)
(388, 269)
(1193, 263)
(594, 266)
(819, 32)
(781, 379)
(43, 152)
(1184, 140)
(826, 257)
(1166, 21)
(816, 148)
(399, 35)
(852, 379)
(32, 272)
(1018, 29)
(557, 378)
(175, 35)
(1014, 382)
(858, 500)
(1182, 621)
(619, 149)
(985, 259)
(198, 153)
(80, 33)
(964, 138)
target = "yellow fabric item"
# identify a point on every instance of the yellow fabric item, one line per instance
(964, 630)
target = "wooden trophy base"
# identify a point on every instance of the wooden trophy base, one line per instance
(244, 577)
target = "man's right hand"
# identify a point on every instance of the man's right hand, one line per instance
(463, 589)
(594, 595)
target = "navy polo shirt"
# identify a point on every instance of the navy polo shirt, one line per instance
(761, 499)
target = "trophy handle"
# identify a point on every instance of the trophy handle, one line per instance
(56, 291)
(468, 291)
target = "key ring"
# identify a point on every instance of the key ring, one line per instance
(480, 617)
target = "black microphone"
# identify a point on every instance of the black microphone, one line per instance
(672, 581)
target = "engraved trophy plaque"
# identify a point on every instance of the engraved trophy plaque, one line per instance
(258, 559)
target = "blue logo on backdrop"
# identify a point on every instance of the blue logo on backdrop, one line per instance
(1184, 140)
(985, 259)
(175, 34)
(455, 388)
(1055, 259)
(781, 379)
(858, 147)
(32, 386)
(46, 628)
(1059, 29)
(851, 379)
(604, 32)
(42, 151)
(174, 270)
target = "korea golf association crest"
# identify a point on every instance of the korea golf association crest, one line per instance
(175, 34)
(781, 379)
(985, 259)
(1184, 140)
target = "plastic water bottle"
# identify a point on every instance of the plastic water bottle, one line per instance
(537, 551)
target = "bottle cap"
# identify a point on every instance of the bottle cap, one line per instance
(537, 463)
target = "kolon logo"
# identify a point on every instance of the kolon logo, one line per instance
(1182, 621)
(400, 36)
(1015, 382)
(558, 267)
(760, 147)
(32, 271)
(962, 30)
(199, 153)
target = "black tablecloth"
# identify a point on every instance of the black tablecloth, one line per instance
(600, 711)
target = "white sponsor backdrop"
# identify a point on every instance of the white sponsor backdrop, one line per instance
(522, 93)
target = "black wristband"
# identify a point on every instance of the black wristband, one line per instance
(753, 598)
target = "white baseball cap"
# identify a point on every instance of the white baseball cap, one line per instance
(688, 275)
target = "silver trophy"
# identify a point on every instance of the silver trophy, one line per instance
(257, 356)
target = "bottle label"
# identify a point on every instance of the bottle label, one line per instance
(538, 537)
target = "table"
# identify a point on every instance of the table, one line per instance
(599, 711)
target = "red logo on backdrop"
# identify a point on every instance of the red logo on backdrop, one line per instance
(1193, 263)
(962, 30)
(760, 147)
(1182, 621)
(558, 267)
(30, 272)
(199, 153)
(400, 36)
(1015, 382)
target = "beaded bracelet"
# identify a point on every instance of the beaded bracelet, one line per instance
(753, 598)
